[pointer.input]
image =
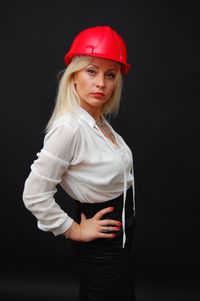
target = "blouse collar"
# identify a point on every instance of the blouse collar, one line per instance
(83, 114)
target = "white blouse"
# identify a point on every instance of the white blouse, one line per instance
(87, 165)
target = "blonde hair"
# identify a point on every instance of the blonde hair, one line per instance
(67, 98)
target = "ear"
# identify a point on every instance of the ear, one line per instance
(74, 78)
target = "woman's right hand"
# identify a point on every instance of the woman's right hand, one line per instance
(91, 228)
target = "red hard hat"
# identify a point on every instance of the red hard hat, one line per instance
(99, 41)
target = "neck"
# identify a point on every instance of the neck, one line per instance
(95, 112)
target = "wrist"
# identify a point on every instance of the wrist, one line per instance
(67, 233)
(73, 232)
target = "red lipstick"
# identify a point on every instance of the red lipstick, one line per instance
(98, 94)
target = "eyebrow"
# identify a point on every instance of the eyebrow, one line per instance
(99, 67)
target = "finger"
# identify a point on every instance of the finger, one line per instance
(111, 222)
(106, 235)
(100, 213)
(83, 217)
(110, 229)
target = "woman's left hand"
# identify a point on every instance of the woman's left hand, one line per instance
(92, 228)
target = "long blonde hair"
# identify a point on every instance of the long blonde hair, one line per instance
(67, 98)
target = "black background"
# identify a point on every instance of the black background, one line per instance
(159, 120)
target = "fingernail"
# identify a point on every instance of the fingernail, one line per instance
(119, 223)
(113, 235)
(112, 208)
(118, 228)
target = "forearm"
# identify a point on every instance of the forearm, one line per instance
(38, 197)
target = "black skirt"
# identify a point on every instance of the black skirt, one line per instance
(104, 268)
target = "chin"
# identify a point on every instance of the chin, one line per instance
(96, 103)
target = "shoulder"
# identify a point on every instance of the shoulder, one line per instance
(63, 129)
(66, 120)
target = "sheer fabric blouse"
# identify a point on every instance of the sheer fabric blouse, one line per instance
(87, 165)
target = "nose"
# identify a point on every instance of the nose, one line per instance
(100, 81)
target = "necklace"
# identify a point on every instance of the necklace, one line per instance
(107, 130)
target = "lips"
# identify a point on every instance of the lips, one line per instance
(98, 93)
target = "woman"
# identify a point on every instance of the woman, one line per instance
(93, 164)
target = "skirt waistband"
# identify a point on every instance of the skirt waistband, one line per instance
(90, 209)
(108, 249)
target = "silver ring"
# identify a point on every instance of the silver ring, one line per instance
(105, 229)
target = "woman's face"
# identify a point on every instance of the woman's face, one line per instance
(95, 83)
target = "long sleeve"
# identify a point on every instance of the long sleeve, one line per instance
(46, 172)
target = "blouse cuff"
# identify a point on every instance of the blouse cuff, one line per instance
(61, 229)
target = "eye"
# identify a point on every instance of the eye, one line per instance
(90, 71)
(111, 75)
